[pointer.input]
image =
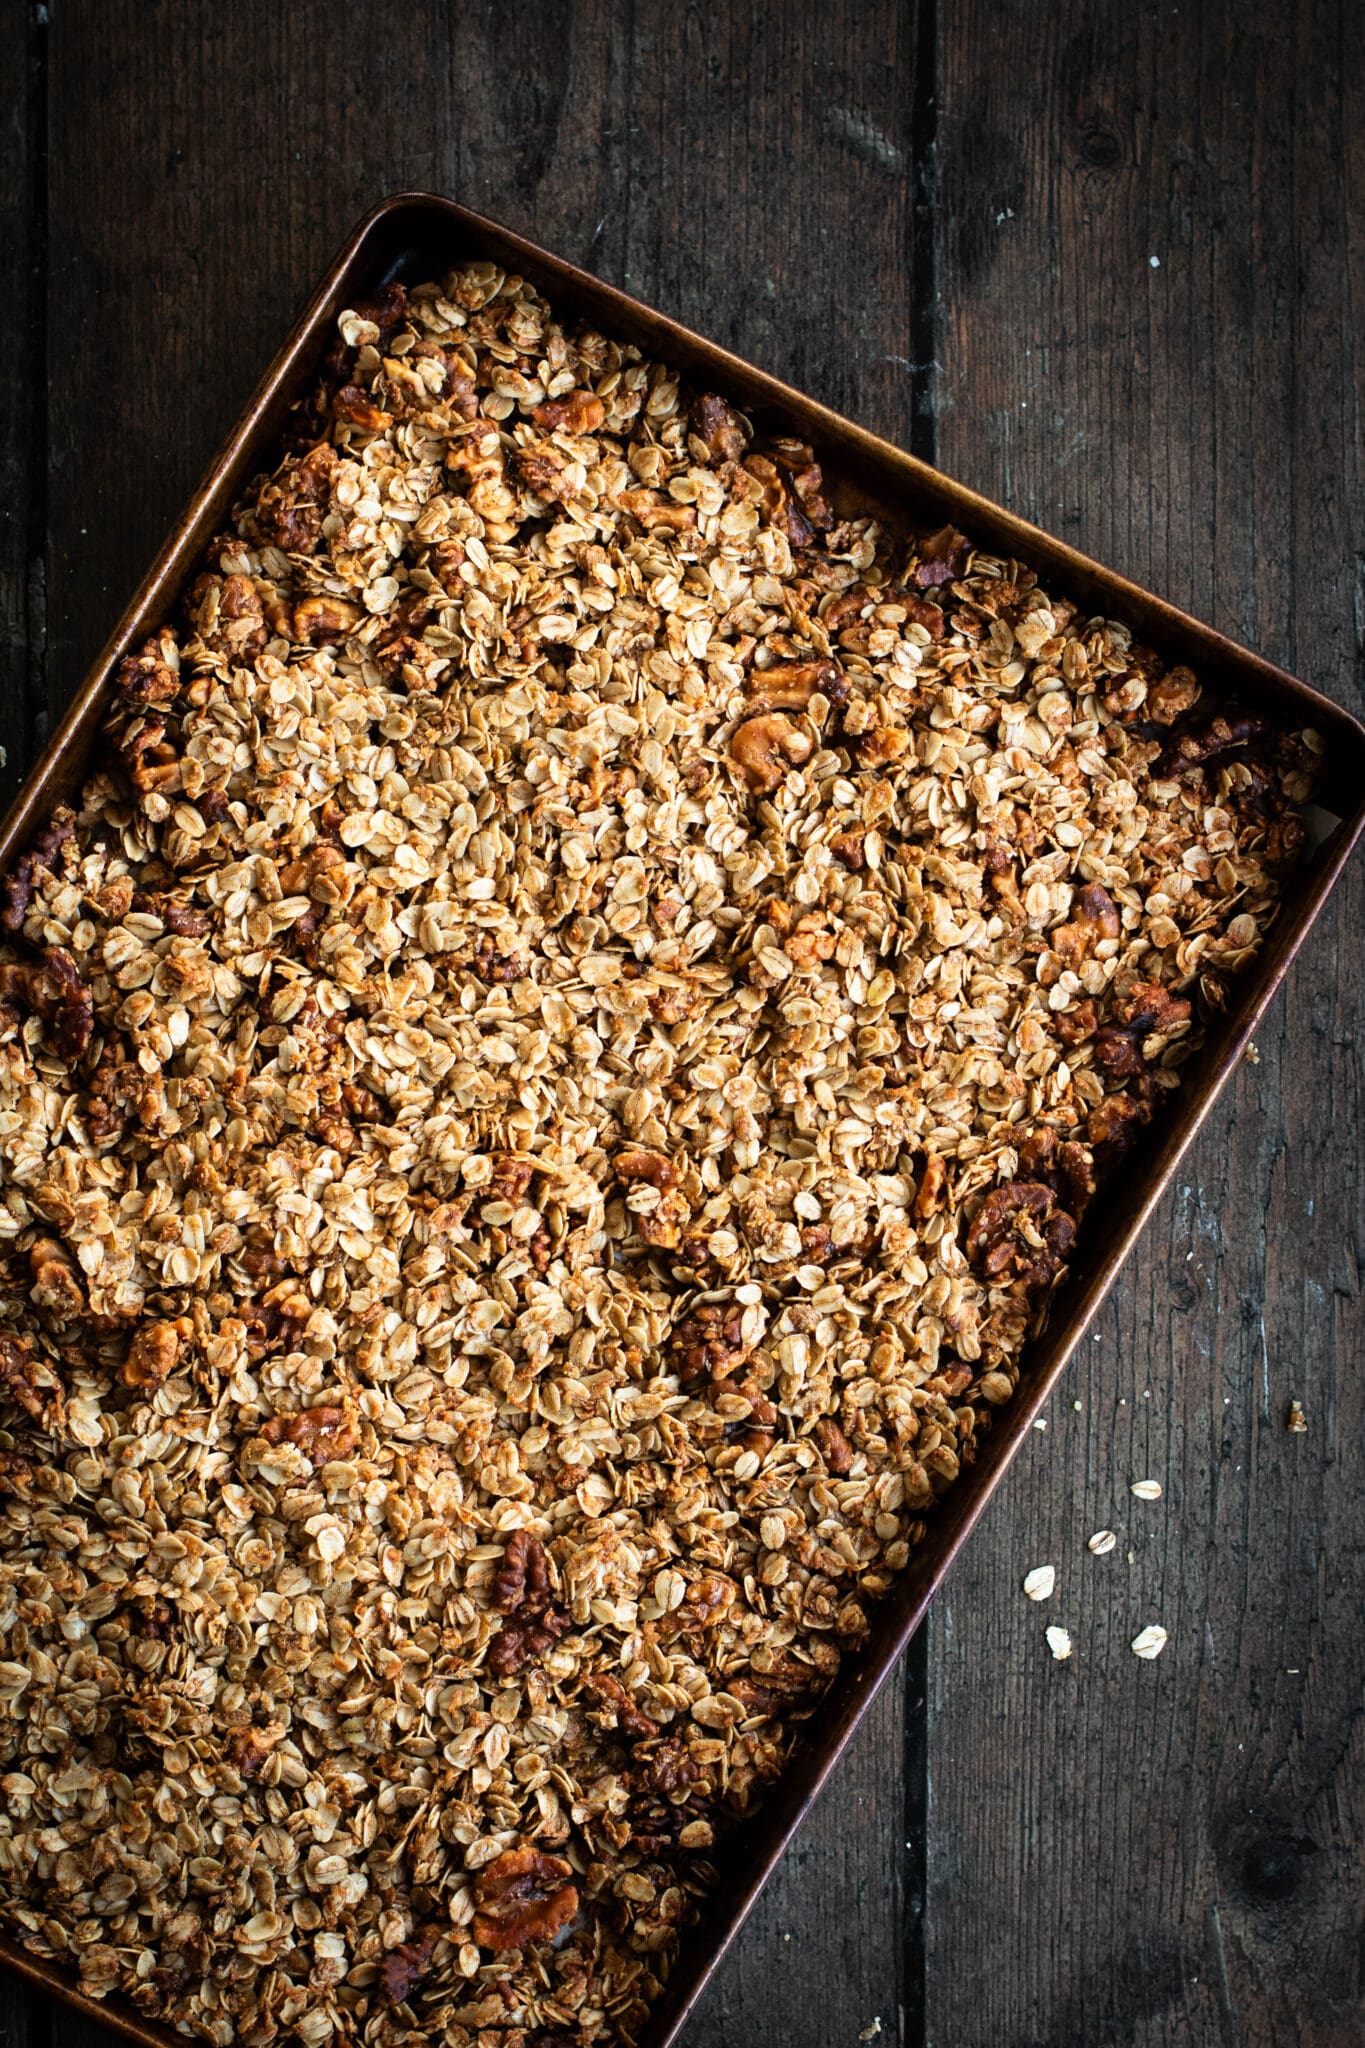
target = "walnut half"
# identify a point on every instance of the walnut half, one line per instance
(522, 1897)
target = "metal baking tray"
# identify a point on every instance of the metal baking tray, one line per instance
(415, 235)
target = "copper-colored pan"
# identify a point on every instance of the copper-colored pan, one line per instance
(414, 236)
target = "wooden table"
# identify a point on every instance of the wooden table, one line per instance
(1098, 260)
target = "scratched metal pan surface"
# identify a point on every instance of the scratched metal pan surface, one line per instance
(414, 235)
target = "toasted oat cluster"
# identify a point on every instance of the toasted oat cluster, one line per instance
(545, 1087)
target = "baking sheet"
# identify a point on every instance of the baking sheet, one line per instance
(412, 236)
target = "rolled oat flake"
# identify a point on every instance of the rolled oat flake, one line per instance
(1151, 1642)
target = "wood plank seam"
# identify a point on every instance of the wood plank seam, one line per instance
(923, 234)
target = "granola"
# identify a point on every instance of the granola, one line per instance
(545, 1086)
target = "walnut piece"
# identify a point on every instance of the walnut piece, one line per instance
(523, 1897)
(834, 1447)
(577, 412)
(790, 685)
(709, 1344)
(152, 1355)
(932, 1192)
(179, 918)
(249, 1748)
(1075, 1025)
(520, 1643)
(1222, 735)
(17, 1473)
(323, 1434)
(522, 1588)
(1060, 1164)
(787, 1687)
(318, 621)
(289, 508)
(654, 1168)
(880, 745)
(29, 1381)
(42, 856)
(228, 615)
(719, 426)
(708, 1599)
(1020, 1235)
(1172, 695)
(51, 987)
(513, 1173)
(151, 676)
(495, 969)
(353, 407)
(1095, 916)
(405, 1966)
(623, 1712)
(764, 748)
(1113, 1125)
(1149, 1008)
(942, 557)
(523, 1577)
(57, 1291)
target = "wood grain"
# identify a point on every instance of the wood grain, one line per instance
(941, 221)
(23, 201)
(1169, 1852)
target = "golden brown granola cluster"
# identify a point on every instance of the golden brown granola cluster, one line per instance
(542, 1092)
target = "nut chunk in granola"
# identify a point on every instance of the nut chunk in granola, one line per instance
(523, 1897)
(1020, 1234)
(322, 1434)
(764, 748)
(407, 1966)
(522, 1590)
(52, 988)
(29, 1381)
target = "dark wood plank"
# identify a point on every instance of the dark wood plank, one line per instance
(25, 2017)
(23, 176)
(1170, 1852)
(747, 169)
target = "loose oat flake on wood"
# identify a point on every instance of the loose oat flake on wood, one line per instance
(546, 1079)
(1149, 1642)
